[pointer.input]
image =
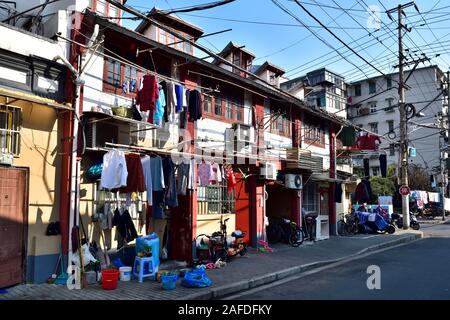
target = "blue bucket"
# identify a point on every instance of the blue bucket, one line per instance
(169, 282)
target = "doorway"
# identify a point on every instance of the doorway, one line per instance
(13, 225)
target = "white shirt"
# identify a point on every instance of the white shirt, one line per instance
(114, 171)
(145, 160)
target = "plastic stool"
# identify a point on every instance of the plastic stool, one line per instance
(144, 268)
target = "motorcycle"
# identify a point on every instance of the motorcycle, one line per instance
(413, 222)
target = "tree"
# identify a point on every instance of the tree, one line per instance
(418, 178)
(381, 187)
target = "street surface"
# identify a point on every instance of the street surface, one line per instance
(419, 270)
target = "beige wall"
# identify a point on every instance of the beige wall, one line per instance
(209, 223)
(40, 153)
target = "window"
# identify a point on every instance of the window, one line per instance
(249, 65)
(236, 61)
(170, 39)
(314, 134)
(189, 47)
(357, 90)
(100, 7)
(392, 149)
(131, 74)
(310, 197)
(372, 87)
(389, 82)
(390, 107)
(357, 109)
(216, 199)
(375, 171)
(374, 127)
(373, 107)
(218, 106)
(113, 13)
(162, 36)
(10, 123)
(179, 44)
(238, 109)
(207, 104)
(390, 125)
(228, 109)
(113, 70)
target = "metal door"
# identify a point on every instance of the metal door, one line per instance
(13, 222)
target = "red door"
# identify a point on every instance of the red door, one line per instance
(13, 222)
(242, 207)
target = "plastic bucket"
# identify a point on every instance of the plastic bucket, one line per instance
(125, 273)
(169, 282)
(109, 279)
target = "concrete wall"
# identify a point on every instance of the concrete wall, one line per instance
(424, 84)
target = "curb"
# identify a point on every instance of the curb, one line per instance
(228, 289)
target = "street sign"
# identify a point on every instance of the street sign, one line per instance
(404, 190)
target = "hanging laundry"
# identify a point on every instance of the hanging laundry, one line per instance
(192, 183)
(159, 109)
(132, 85)
(366, 167)
(146, 167)
(136, 114)
(204, 173)
(195, 105)
(171, 198)
(361, 193)
(383, 165)
(171, 100)
(338, 192)
(114, 171)
(135, 179)
(424, 196)
(433, 197)
(157, 173)
(183, 118)
(125, 225)
(180, 96)
(106, 219)
(368, 142)
(385, 200)
(125, 87)
(215, 175)
(348, 136)
(231, 179)
(183, 177)
(147, 96)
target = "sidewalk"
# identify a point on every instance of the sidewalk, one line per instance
(242, 273)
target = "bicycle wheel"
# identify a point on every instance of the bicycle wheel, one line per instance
(296, 237)
(342, 231)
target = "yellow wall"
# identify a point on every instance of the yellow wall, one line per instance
(40, 153)
(209, 223)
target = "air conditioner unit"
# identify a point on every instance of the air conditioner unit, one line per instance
(293, 181)
(364, 111)
(268, 171)
(244, 132)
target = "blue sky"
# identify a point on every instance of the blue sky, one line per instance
(298, 51)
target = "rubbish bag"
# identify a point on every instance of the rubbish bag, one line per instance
(196, 279)
(87, 256)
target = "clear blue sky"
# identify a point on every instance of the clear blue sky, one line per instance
(293, 46)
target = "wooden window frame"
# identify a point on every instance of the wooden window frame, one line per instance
(236, 107)
(107, 87)
(314, 135)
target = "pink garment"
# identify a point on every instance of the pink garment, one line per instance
(216, 175)
(204, 173)
(424, 196)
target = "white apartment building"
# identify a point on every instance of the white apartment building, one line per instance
(373, 105)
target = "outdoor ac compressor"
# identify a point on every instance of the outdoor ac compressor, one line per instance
(293, 181)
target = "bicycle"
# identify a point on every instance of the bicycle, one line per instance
(347, 225)
(284, 230)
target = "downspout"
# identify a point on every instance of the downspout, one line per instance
(335, 174)
(74, 209)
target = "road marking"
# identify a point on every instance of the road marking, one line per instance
(316, 270)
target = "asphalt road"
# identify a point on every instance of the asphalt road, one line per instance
(419, 270)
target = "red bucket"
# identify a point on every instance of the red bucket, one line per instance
(109, 279)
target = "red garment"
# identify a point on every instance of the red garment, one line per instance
(147, 96)
(231, 180)
(135, 179)
(367, 142)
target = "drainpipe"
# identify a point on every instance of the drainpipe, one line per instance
(335, 173)
(74, 211)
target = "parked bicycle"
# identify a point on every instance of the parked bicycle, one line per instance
(348, 225)
(284, 230)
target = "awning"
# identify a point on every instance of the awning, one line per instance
(15, 94)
